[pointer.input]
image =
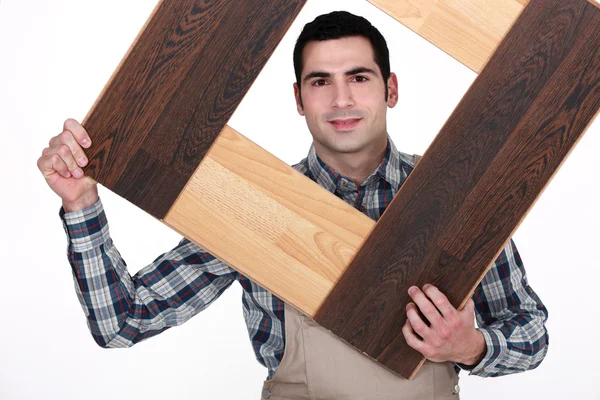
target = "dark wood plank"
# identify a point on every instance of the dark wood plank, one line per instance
(477, 180)
(175, 91)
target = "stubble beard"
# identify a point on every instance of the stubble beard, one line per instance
(349, 146)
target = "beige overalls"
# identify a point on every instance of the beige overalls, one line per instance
(317, 365)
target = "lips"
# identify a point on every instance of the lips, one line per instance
(345, 124)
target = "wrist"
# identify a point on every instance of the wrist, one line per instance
(477, 351)
(86, 200)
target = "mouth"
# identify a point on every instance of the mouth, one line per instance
(345, 124)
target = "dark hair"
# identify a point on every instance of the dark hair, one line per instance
(342, 24)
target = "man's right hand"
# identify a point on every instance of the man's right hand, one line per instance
(61, 164)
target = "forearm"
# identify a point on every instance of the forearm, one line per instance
(511, 318)
(504, 355)
(105, 289)
(123, 310)
(120, 309)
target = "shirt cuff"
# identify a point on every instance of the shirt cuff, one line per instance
(496, 349)
(86, 229)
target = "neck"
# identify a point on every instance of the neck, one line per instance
(356, 166)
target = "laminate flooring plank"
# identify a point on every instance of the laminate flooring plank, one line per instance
(175, 90)
(468, 30)
(160, 141)
(268, 221)
(477, 180)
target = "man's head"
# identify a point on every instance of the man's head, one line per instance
(338, 25)
(344, 85)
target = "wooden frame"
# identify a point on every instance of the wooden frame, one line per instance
(166, 148)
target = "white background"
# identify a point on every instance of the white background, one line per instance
(55, 58)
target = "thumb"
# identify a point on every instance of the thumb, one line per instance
(470, 306)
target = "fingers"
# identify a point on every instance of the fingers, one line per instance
(75, 137)
(68, 146)
(79, 133)
(440, 301)
(418, 325)
(425, 305)
(66, 154)
(53, 163)
(413, 340)
(470, 306)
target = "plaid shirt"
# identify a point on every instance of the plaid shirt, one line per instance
(122, 310)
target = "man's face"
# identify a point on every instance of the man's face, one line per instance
(343, 95)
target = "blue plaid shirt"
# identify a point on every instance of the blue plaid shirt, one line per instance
(122, 310)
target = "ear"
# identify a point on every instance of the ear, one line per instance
(392, 85)
(299, 106)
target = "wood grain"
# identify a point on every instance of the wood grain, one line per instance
(175, 90)
(268, 221)
(490, 162)
(468, 30)
(161, 142)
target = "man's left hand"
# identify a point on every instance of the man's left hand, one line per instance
(451, 336)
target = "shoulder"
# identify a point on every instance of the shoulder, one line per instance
(409, 160)
(301, 166)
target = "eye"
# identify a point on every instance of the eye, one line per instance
(319, 82)
(360, 78)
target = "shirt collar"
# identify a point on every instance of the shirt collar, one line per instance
(388, 170)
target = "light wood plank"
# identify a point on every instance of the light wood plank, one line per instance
(468, 30)
(411, 13)
(493, 16)
(458, 36)
(268, 221)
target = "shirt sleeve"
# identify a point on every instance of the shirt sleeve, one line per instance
(121, 309)
(511, 318)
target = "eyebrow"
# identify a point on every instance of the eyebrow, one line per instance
(316, 74)
(360, 70)
(353, 71)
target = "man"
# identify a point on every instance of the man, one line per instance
(343, 89)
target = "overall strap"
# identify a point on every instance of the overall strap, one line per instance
(417, 158)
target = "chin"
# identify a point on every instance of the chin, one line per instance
(346, 146)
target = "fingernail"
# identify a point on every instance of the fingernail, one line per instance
(412, 290)
(426, 286)
(78, 173)
(81, 161)
(85, 141)
(68, 174)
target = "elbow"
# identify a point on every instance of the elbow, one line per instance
(113, 342)
(110, 336)
(539, 348)
(534, 334)
(100, 341)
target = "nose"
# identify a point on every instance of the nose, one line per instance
(342, 96)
